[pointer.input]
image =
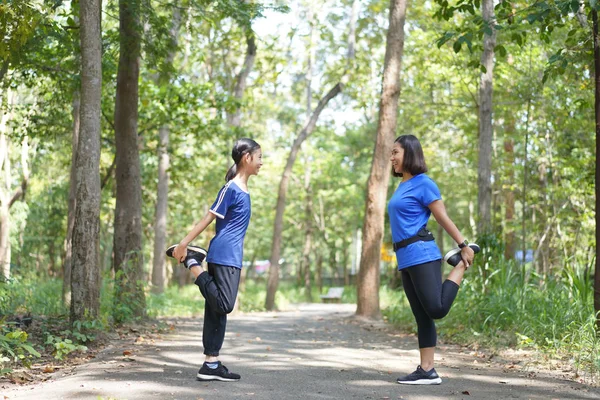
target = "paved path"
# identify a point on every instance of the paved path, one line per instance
(314, 352)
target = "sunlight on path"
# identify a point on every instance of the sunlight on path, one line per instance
(314, 351)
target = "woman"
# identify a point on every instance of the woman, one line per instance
(219, 283)
(419, 258)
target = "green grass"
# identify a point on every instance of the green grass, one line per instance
(29, 294)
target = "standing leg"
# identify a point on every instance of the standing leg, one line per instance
(425, 325)
(219, 287)
(434, 300)
(215, 322)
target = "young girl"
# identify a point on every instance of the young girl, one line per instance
(419, 258)
(219, 284)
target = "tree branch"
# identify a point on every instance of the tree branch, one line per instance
(4, 69)
(19, 193)
(108, 173)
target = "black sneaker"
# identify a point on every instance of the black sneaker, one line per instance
(195, 255)
(453, 256)
(221, 373)
(420, 377)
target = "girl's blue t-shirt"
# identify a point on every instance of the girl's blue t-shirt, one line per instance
(232, 209)
(409, 212)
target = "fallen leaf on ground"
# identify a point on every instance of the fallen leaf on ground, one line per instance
(127, 353)
(48, 369)
(20, 377)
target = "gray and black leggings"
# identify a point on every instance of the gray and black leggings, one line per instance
(429, 298)
(219, 286)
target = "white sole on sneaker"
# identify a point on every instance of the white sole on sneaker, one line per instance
(202, 377)
(193, 248)
(451, 253)
(435, 381)
(197, 249)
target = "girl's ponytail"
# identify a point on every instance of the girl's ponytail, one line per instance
(231, 172)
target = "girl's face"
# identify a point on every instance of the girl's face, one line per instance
(397, 158)
(254, 162)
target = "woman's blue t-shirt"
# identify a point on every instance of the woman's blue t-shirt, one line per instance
(409, 212)
(232, 209)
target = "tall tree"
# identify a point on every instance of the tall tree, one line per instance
(234, 117)
(486, 130)
(159, 270)
(8, 195)
(5, 186)
(128, 259)
(596, 43)
(72, 204)
(85, 281)
(308, 232)
(372, 233)
(308, 128)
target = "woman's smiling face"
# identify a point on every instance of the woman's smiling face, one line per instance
(397, 158)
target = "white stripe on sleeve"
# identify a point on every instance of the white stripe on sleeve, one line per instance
(220, 200)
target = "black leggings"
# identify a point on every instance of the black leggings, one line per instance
(219, 286)
(429, 299)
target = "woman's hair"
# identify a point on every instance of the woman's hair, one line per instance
(414, 160)
(241, 147)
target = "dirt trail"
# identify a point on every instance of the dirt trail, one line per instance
(313, 352)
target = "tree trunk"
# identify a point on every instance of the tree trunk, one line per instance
(128, 260)
(346, 271)
(234, 118)
(368, 274)
(524, 191)
(66, 290)
(597, 184)
(308, 234)
(5, 188)
(273, 280)
(7, 199)
(159, 269)
(484, 168)
(308, 129)
(85, 271)
(509, 196)
(159, 262)
(319, 271)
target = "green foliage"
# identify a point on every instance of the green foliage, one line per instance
(542, 92)
(14, 348)
(186, 301)
(23, 294)
(129, 304)
(62, 346)
(62, 342)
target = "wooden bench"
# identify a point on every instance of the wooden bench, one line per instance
(334, 295)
